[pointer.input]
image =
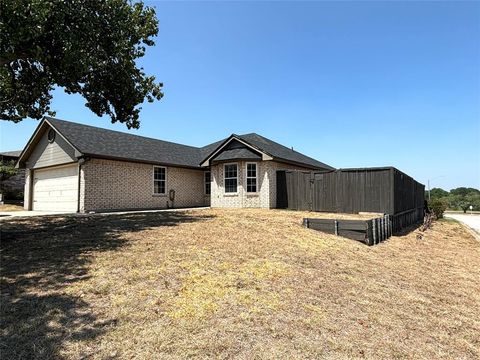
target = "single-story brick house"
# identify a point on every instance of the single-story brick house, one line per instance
(74, 167)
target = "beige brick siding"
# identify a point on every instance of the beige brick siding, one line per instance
(266, 195)
(115, 185)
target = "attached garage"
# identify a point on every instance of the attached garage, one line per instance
(56, 188)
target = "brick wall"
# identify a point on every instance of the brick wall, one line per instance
(266, 196)
(115, 185)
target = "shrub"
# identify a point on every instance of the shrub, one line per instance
(11, 194)
(438, 207)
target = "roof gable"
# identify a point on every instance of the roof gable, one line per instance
(269, 150)
(236, 150)
(50, 152)
(36, 145)
(230, 143)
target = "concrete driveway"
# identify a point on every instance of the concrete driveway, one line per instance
(471, 220)
(10, 214)
(18, 214)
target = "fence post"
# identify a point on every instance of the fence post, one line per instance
(312, 190)
(305, 222)
(379, 230)
(382, 222)
(379, 227)
(388, 226)
(384, 227)
(336, 227)
(369, 239)
(374, 231)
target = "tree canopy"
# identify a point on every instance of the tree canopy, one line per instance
(88, 47)
(457, 199)
(437, 193)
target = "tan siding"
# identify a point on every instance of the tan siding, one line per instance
(49, 154)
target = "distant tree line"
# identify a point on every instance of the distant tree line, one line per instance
(456, 199)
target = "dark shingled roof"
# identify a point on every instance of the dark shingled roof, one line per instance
(94, 141)
(233, 154)
(280, 152)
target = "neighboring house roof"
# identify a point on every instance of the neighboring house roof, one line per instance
(103, 143)
(12, 154)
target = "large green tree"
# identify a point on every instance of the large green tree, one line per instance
(464, 191)
(463, 198)
(87, 47)
(436, 193)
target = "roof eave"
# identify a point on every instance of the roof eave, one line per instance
(142, 161)
(310, 166)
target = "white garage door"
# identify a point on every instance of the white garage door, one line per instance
(56, 189)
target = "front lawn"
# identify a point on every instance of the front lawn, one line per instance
(233, 284)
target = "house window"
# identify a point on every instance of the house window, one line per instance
(208, 183)
(230, 177)
(159, 180)
(251, 177)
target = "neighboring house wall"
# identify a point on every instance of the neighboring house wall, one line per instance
(266, 195)
(115, 185)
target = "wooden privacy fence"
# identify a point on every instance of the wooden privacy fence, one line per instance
(370, 232)
(380, 190)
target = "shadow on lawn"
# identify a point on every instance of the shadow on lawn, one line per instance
(39, 257)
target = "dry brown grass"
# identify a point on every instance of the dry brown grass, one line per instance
(9, 207)
(234, 284)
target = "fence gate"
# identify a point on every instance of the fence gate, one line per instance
(382, 190)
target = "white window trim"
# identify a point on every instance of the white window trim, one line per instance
(153, 181)
(205, 183)
(246, 178)
(224, 178)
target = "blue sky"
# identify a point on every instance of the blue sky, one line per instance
(352, 84)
